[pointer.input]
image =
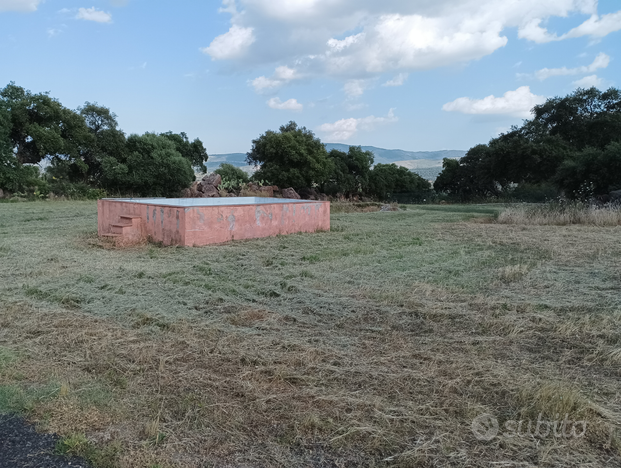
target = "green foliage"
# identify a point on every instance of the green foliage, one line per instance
(571, 141)
(232, 177)
(193, 151)
(591, 172)
(385, 180)
(40, 127)
(152, 167)
(351, 172)
(291, 157)
(107, 140)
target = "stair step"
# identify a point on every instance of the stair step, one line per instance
(131, 217)
(122, 225)
(111, 235)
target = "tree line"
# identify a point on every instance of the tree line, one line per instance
(84, 149)
(571, 147)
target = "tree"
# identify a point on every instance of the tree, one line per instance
(193, 151)
(351, 170)
(233, 175)
(591, 172)
(566, 141)
(386, 180)
(41, 127)
(292, 157)
(152, 167)
(14, 176)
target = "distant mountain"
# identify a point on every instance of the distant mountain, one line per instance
(387, 156)
(427, 164)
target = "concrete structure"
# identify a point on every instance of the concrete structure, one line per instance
(202, 221)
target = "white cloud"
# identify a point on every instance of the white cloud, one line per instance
(392, 36)
(597, 26)
(514, 103)
(355, 88)
(92, 14)
(601, 61)
(398, 80)
(290, 105)
(282, 76)
(342, 130)
(53, 32)
(232, 44)
(19, 5)
(589, 81)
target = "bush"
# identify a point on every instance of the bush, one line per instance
(387, 180)
(153, 167)
(232, 177)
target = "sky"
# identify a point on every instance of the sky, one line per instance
(417, 75)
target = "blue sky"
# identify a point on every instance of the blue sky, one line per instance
(409, 74)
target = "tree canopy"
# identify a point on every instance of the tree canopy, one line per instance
(570, 141)
(291, 157)
(351, 171)
(193, 151)
(152, 166)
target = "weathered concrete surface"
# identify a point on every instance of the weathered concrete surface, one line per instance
(202, 225)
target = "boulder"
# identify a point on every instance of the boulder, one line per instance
(290, 193)
(252, 187)
(1, 193)
(209, 191)
(322, 197)
(615, 196)
(212, 179)
(309, 194)
(268, 190)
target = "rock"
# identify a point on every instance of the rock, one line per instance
(268, 190)
(275, 188)
(322, 197)
(186, 193)
(389, 208)
(309, 194)
(615, 195)
(209, 191)
(212, 179)
(252, 187)
(1, 193)
(290, 193)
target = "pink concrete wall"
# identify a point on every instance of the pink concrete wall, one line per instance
(202, 225)
(216, 224)
(162, 223)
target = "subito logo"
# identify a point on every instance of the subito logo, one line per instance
(485, 427)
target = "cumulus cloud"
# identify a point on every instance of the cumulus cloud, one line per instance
(290, 105)
(601, 61)
(516, 103)
(355, 88)
(232, 44)
(398, 36)
(398, 80)
(93, 14)
(597, 26)
(589, 82)
(342, 130)
(282, 76)
(19, 5)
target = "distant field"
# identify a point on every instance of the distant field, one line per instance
(376, 344)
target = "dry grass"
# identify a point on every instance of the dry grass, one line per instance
(557, 214)
(375, 344)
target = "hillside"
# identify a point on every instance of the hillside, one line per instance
(427, 164)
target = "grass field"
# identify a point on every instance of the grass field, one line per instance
(375, 344)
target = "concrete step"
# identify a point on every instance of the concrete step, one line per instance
(121, 228)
